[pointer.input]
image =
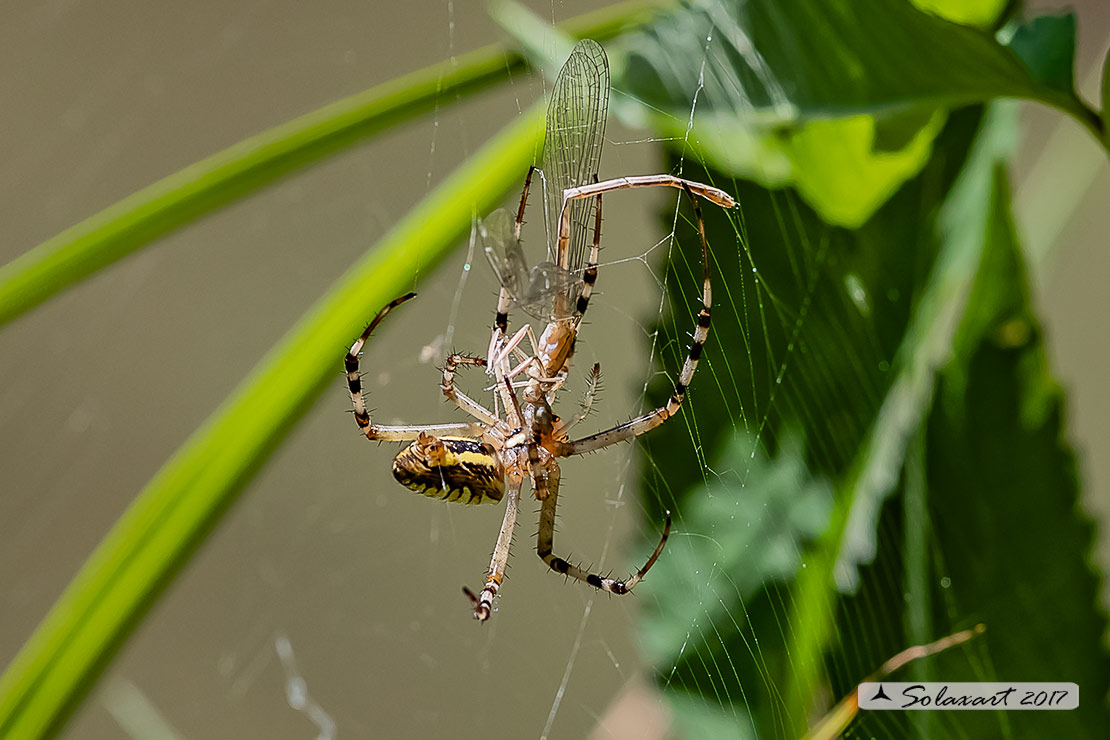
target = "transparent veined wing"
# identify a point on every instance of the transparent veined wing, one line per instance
(572, 150)
(533, 290)
(504, 251)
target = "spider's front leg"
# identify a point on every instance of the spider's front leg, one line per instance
(643, 424)
(358, 402)
(504, 298)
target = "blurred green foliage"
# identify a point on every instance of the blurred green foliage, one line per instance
(874, 453)
(894, 351)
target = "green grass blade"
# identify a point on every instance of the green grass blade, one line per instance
(181, 504)
(223, 178)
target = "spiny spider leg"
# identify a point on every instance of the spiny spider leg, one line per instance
(501, 320)
(358, 402)
(593, 388)
(710, 193)
(546, 541)
(464, 402)
(483, 603)
(647, 422)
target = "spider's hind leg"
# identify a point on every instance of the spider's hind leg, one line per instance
(545, 544)
(483, 603)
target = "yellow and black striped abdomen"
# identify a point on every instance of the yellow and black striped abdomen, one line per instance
(451, 468)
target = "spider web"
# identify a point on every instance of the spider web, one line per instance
(329, 603)
(600, 655)
(331, 562)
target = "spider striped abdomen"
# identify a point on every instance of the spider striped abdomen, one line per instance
(451, 468)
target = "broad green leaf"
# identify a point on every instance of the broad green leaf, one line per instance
(988, 475)
(1046, 45)
(879, 313)
(774, 78)
(1006, 542)
(809, 321)
(928, 343)
(832, 157)
(794, 282)
(171, 516)
(1013, 544)
(979, 13)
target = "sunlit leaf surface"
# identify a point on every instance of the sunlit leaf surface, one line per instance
(806, 92)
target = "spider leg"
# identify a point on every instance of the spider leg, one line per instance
(362, 416)
(523, 201)
(464, 402)
(712, 194)
(498, 367)
(589, 277)
(593, 388)
(513, 403)
(501, 320)
(531, 362)
(483, 603)
(512, 346)
(647, 422)
(545, 541)
(410, 432)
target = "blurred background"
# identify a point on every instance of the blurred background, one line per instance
(326, 570)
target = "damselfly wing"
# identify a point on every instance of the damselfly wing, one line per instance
(576, 116)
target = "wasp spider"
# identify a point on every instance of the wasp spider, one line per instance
(488, 458)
